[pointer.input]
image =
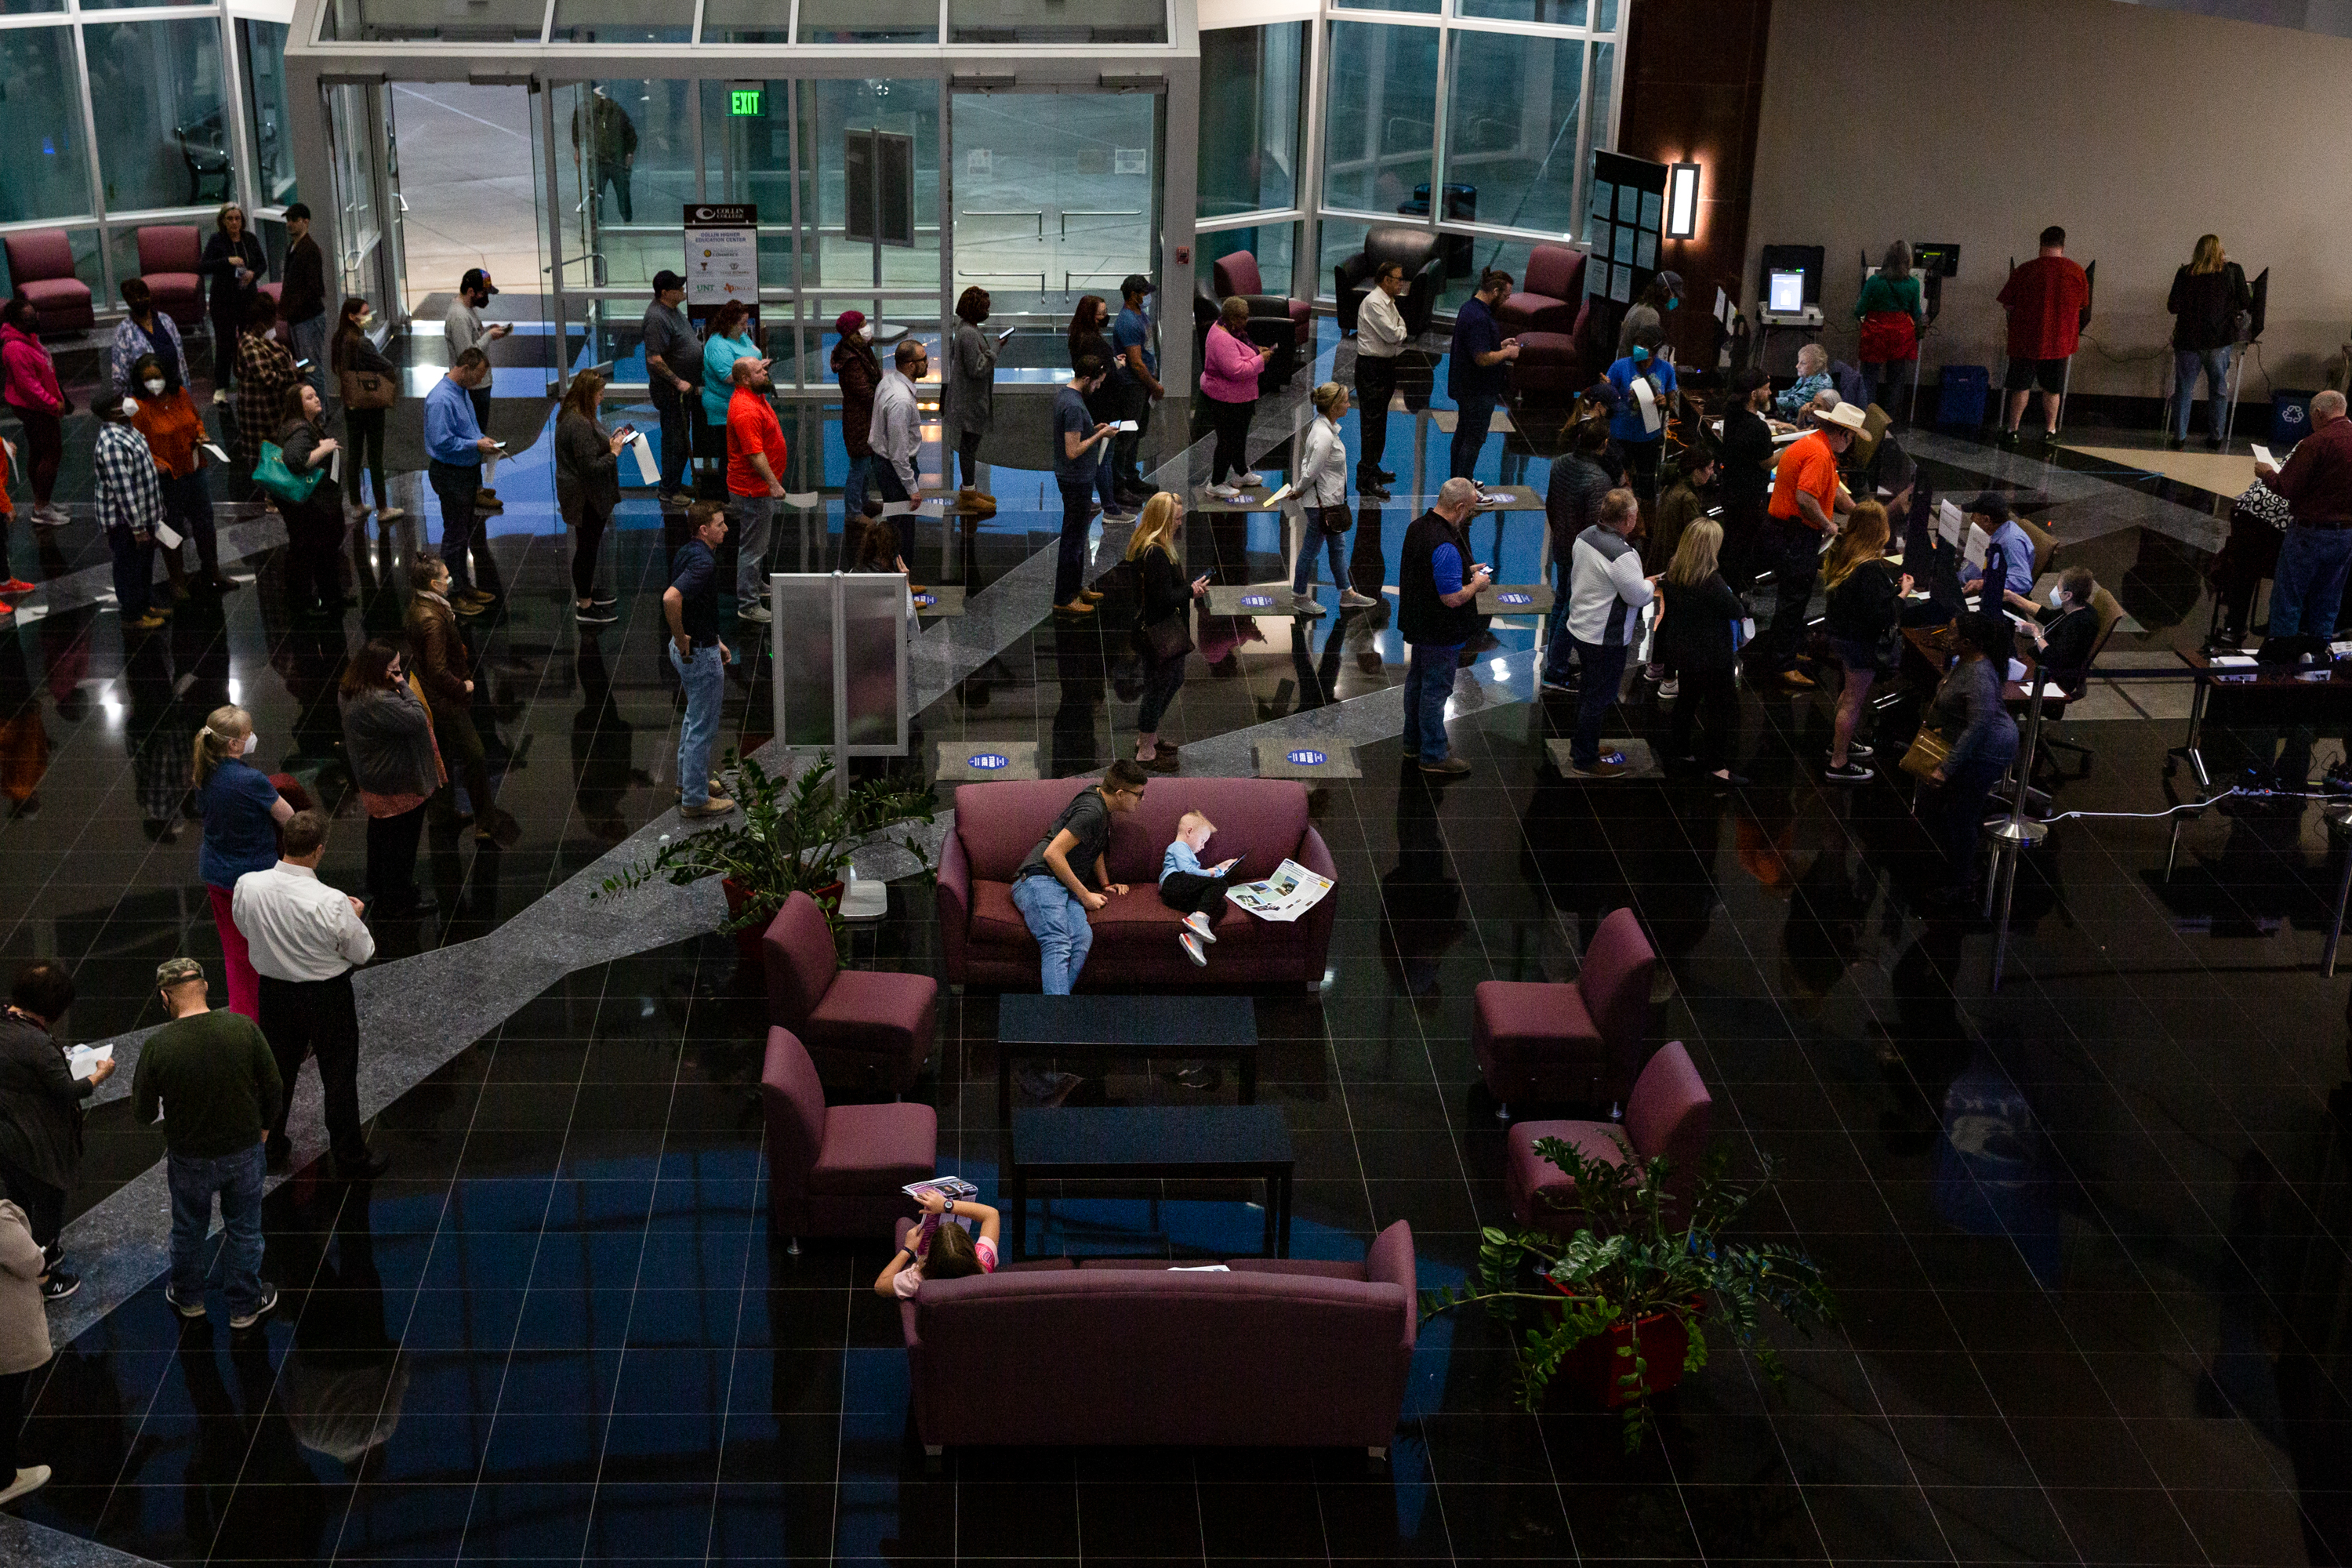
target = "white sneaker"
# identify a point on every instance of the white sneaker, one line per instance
(1306, 604)
(220, 395)
(759, 613)
(1192, 949)
(1199, 922)
(389, 514)
(1352, 600)
(1250, 479)
(31, 1478)
(51, 516)
(1670, 689)
(1224, 492)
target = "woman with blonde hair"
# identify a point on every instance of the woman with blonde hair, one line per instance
(2208, 296)
(1163, 628)
(1697, 614)
(1865, 602)
(242, 811)
(1322, 484)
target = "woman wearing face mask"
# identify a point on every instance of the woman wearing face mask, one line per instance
(234, 267)
(859, 373)
(168, 417)
(2064, 629)
(1665, 292)
(369, 387)
(1636, 439)
(130, 510)
(242, 811)
(1090, 335)
(388, 740)
(314, 525)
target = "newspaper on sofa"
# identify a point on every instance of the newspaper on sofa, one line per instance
(1290, 892)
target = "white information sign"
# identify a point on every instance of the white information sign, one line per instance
(722, 254)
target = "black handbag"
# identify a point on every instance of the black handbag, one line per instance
(1167, 638)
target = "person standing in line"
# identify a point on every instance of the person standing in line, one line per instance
(755, 482)
(466, 334)
(24, 1346)
(2046, 299)
(1747, 449)
(1379, 340)
(234, 267)
(1683, 504)
(1699, 610)
(897, 436)
(41, 1112)
(1437, 613)
(1865, 602)
(11, 584)
(972, 401)
(1809, 504)
(1580, 479)
(1968, 709)
(857, 372)
(303, 300)
(369, 387)
(1229, 368)
(1156, 550)
(264, 371)
(1077, 439)
(1323, 505)
(211, 1078)
(673, 360)
(690, 606)
(1641, 440)
(314, 525)
(2307, 584)
(1893, 312)
(587, 488)
(306, 937)
(1606, 593)
(454, 449)
(1664, 293)
(144, 331)
(733, 337)
(388, 741)
(129, 506)
(29, 378)
(1050, 887)
(1138, 364)
(437, 657)
(2208, 296)
(241, 812)
(1478, 368)
(1090, 339)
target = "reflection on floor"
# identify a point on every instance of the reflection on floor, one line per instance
(2088, 1232)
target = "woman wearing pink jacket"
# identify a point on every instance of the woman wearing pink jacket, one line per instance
(30, 379)
(1230, 365)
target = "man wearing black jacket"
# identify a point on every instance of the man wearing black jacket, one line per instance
(303, 302)
(1437, 609)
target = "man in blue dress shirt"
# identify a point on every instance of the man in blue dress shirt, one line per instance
(453, 448)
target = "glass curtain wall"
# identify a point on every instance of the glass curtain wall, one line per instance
(1253, 93)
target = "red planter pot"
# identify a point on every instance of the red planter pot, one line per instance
(1591, 1370)
(747, 940)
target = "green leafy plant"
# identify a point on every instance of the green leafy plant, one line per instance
(1645, 1255)
(788, 835)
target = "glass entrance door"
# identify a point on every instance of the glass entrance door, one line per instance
(1055, 196)
(367, 261)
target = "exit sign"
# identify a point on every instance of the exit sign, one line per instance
(743, 100)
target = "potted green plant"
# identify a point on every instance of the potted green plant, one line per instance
(1620, 1307)
(788, 835)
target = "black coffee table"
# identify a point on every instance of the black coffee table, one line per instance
(1109, 1028)
(1171, 1142)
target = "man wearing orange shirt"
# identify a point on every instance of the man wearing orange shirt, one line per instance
(2046, 299)
(755, 479)
(1807, 505)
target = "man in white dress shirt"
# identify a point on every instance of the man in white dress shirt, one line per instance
(305, 938)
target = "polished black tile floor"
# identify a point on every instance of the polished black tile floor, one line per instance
(2088, 1231)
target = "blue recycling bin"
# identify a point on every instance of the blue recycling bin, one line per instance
(1960, 391)
(2290, 418)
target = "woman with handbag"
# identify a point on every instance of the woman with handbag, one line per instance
(1164, 631)
(1699, 613)
(293, 467)
(369, 387)
(1865, 618)
(388, 740)
(587, 488)
(1322, 487)
(1980, 738)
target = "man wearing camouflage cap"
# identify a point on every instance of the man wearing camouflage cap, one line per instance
(212, 1078)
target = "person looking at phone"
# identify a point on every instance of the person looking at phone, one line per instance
(939, 1248)
(1047, 890)
(1437, 610)
(1199, 890)
(690, 605)
(465, 330)
(454, 449)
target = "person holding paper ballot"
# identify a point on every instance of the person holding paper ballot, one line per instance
(1478, 368)
(41, 1111)
(2064, 630)
(1808, 504)
(1079, 438)
(587, 488)
(2008, 558)
(174, 428)
(130, 510)
(2307, 587)
(1643, 387)
(314, 525)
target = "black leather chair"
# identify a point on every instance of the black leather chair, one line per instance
(1424, 267)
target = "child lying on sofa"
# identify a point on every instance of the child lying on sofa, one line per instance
(939, 1248)
(1185, 884)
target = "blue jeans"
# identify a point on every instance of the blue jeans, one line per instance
(1335, 545)
(311, 343)
(705, 681)
(1559, 649)
(135, 571)
(1604, 670)
(1472, 414)
(1058, 921)
(2307, 585)
(676, 438)
(1428, 682)
(237, 1178)
(2184, 366)
(1078, 518)
(858, 486)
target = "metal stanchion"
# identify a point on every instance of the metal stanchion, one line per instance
(2338, 818)
(2016, 835)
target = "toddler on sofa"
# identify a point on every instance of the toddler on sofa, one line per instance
(1185, 884)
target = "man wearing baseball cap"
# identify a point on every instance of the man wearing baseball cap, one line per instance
(673, 361)
(211, 1077)
(1135, 374)
(465, 331)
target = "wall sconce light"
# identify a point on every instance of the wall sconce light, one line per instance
(1682, 201)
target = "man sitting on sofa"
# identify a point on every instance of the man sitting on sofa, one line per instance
(1052, 898)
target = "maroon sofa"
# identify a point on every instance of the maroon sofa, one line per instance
(1263, 821)
(1281, 1352)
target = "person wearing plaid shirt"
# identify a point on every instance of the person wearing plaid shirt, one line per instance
(129, 505)
(264, 371)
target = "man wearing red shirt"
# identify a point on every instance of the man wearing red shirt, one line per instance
(755, 470)
(2046, 299)
(2307, 587)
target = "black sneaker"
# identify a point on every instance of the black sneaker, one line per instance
(1852, 772)
(194, 1309)
(1856, 752)
(266, 1305)
(59, 1283)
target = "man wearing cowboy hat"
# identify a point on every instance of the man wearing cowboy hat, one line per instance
(1807, 505)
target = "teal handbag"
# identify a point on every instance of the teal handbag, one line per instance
(270, 472)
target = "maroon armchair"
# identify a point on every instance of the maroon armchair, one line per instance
(1551, 294)
(837, 1170)
(1667, 1114)
(1237, 274)
(41, 267)
(169, 257)
(868, 1030)
(1536, 1041)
